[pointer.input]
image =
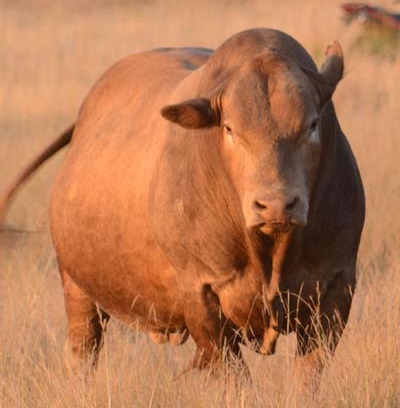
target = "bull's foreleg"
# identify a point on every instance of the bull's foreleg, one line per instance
(317, 340)
(86, 324)
(242, 300)
(215, 337)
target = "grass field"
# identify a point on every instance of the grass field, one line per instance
(50, 54)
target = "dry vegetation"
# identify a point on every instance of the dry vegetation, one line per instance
(50, 54)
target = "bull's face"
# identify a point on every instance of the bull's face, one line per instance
(271, 142)
(268, 114)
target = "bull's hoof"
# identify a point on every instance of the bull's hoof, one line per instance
(268, 345)
(267, 350)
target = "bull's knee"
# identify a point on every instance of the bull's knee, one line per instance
(86, 338)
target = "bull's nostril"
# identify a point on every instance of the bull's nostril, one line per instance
(292, 204)
(260, 206)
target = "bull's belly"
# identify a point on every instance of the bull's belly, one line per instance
(148, 304)
(105, 244)
(134, 290)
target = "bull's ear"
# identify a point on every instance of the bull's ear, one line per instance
(331, 71)
(191, 114)
(332, 68)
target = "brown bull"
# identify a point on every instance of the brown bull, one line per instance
(234, 216)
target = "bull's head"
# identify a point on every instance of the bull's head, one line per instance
(269, 115)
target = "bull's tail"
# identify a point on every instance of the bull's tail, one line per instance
(49, 151)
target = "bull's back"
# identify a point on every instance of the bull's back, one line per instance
(99, 207)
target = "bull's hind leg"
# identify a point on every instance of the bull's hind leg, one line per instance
(215, 337)
(86, 324)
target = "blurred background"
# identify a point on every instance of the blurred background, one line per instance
(51, 52)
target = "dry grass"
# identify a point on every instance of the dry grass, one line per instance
(50, 54)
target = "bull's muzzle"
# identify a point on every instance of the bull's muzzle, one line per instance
(279, 215)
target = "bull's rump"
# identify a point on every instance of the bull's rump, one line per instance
(99, 208)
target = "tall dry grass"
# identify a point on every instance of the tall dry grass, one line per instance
(50, 54)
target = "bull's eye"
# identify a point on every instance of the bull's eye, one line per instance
(228, 133)
(228, 129)
(314, 134)
(314, 125)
